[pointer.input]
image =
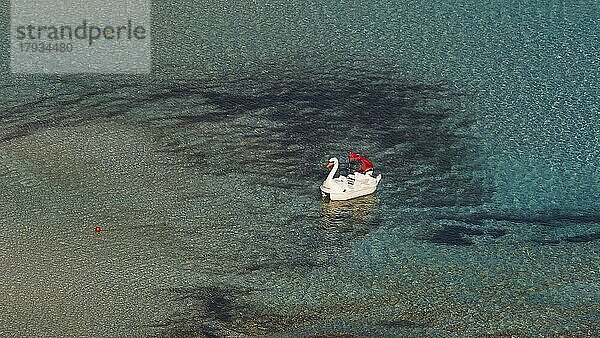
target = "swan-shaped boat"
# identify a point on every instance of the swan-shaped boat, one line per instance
(344, 188)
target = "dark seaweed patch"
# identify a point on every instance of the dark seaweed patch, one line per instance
(554, 218)
(314, 114)
(495, 233)
(583, 238)
(550, 218)
(219, 307)
(209, 314)
(220, 312)
(453, 235)
(546, 241)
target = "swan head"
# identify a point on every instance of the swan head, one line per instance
(332, 162)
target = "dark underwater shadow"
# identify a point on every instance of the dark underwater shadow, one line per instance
(210, 313)
(416, 133)
(462, 227)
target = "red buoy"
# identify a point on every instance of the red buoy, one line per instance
(97, 229)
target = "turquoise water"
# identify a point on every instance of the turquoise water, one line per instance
(482, 117)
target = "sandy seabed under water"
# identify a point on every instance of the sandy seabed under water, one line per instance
(184, 252)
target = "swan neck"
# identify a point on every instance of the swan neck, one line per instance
(333, 170)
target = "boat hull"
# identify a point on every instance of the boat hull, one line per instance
(346, 195)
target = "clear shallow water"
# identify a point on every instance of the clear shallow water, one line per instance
(205, 177)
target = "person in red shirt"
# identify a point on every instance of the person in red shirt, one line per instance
(365, 164)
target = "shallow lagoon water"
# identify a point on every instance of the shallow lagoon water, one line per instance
(205, 179)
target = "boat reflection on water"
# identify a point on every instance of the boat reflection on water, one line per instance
(343, 221)
(345, 216)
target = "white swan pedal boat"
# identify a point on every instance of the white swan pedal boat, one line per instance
(347, 187)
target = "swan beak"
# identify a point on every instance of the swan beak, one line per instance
(329, 165)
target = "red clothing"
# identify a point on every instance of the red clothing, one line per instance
(366, 165)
